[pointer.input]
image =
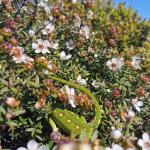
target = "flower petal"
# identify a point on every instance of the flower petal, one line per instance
(141, 142)
(72, 103)
(138, 108)
(139, 103)
(21, 148)
(40, 41)
(46, 43)
(62, 55)
(68, 56)
(37, 51)
(42, 147)
(145, 137)
(34, 45)
(44, 51)
(32, 145)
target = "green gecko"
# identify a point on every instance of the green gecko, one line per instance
(71, 122)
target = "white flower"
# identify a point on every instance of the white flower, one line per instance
(130, 114)
(96, 84)
(70, 45)
(19, 56)
(137, 104)
(145, 142)
(54, 45)
(80, 80)
(116, 133)
(136, 62)
(48, 29)
(31, 33)
(33, 145)
(85, 31)
(115, 147)
(85, 147)
(115, 63)
(44, 4)
(71, 95)
(41, 46)
(64, 56)
(20, 59)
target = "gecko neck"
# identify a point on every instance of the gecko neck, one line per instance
(96, 121)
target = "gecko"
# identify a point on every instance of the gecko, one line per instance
(71, 122)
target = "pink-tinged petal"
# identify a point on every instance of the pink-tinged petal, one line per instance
(146, 137)
(32, 145)
(37, 51)
(34, 45)
(141, 142)
(40, 41)
(46, 43)
(72, 91)
(139, 103)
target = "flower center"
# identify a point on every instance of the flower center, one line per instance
(113, 65)
(41, 46)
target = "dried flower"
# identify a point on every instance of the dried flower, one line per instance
(116, 92)
(12, 102)
(56, 136)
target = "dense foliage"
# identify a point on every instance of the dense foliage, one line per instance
(102, 47)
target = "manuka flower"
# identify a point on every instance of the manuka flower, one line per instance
(64, 56)
(137, 104)
(48, 29)
(115, 64)
(80, 80)
(41, 46)
(85, 31)
(145, 142)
